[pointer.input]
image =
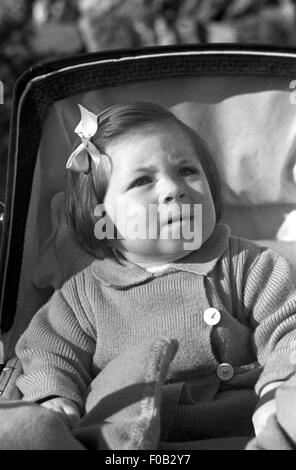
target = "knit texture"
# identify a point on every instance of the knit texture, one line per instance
(111, 306)
(125, 399)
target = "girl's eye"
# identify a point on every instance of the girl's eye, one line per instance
(188, 170)
(141, 181)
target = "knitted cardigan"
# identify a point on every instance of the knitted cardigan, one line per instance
(111, 305)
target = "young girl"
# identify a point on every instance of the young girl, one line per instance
(230, 304)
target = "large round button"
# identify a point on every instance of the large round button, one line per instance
(225, 371)
(212, 316)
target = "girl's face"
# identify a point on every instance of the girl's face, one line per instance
(158, 196)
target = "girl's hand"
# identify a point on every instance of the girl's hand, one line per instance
(267, 408)
(67, 409)
(262, 414)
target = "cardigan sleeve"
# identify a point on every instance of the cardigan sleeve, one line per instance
(56, 350)
(269, 298)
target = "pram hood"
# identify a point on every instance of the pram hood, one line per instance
(239, 99)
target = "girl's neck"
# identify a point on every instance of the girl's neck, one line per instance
(145, 262)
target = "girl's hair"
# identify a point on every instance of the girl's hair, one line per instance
(84, 192)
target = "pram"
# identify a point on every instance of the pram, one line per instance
(241, 100)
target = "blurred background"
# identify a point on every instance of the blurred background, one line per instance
(36, 30)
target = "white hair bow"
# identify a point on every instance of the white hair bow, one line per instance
(86, 129)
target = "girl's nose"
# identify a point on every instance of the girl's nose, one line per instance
(171, 192)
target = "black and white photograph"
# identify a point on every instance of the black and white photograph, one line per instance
(148, 227)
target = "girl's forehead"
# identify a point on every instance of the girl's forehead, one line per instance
(160, 130)
(154, 141)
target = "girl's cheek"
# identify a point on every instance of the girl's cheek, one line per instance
(197, 185)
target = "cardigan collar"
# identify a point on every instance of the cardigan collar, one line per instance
(201, 262)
